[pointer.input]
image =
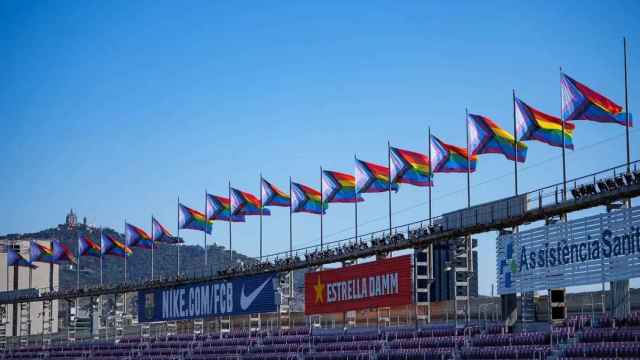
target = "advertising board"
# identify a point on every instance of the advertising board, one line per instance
(242, 295)
(591, 250)
(379, 283)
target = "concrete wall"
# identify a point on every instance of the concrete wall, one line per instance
(443, 287)
(40, 279)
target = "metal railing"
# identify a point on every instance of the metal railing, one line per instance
(535, 200)
(399, 237)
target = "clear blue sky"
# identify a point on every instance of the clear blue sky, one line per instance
(117, 108)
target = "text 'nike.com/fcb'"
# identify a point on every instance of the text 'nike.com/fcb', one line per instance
(243, 295)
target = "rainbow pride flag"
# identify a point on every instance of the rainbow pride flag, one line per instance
(532, 124)
(41, 253)
(219, 208)
(111, 246)
(306, 199)
(372, 178)
(486, 137)
(449, 158)
(88, 247)
(192, 219)
(244, 203)
(339, 187)
(272, 196)
(135, 236)
(410, 167)
(580, 102)
(62, 253)
(15, 259)
(161, 234)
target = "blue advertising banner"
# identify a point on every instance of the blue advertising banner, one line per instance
(242, 295)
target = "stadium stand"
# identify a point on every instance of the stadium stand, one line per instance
(614, 339)
(576, 338)
(439, 342)
(583, 188)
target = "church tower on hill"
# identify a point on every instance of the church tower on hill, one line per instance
(71, 220)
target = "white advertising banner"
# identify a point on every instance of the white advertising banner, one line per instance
(586, 251)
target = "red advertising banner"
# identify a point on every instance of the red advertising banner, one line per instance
(379, 283)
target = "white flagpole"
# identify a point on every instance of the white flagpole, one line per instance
(290, 219)
(390, 181)
(101, 256)
(626, 110)
(230, 215)
(124, 294)
(206, 222)
(125, 252)
(261, 207)
(178, 244)
(515, 141)
(356, 203)
(153, 246)
(432, 172)
(78, 268)
(77, 302)
(101, 300)
(321, 211)
(466, 113)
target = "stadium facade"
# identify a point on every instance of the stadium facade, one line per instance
(29, 318)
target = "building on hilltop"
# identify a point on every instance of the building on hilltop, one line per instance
(71, 220)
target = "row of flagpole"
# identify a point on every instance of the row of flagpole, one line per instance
(469, 170)
(407, 167)
(564, 156)
(626, 107)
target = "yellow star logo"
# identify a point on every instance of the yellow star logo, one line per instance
(319, 289)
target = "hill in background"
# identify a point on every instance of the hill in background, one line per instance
(138, 264)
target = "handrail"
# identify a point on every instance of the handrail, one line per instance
(539, 192)
(417, 234)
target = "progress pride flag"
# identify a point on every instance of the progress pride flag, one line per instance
(379, 283)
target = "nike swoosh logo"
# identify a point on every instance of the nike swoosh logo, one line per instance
(246, 301)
